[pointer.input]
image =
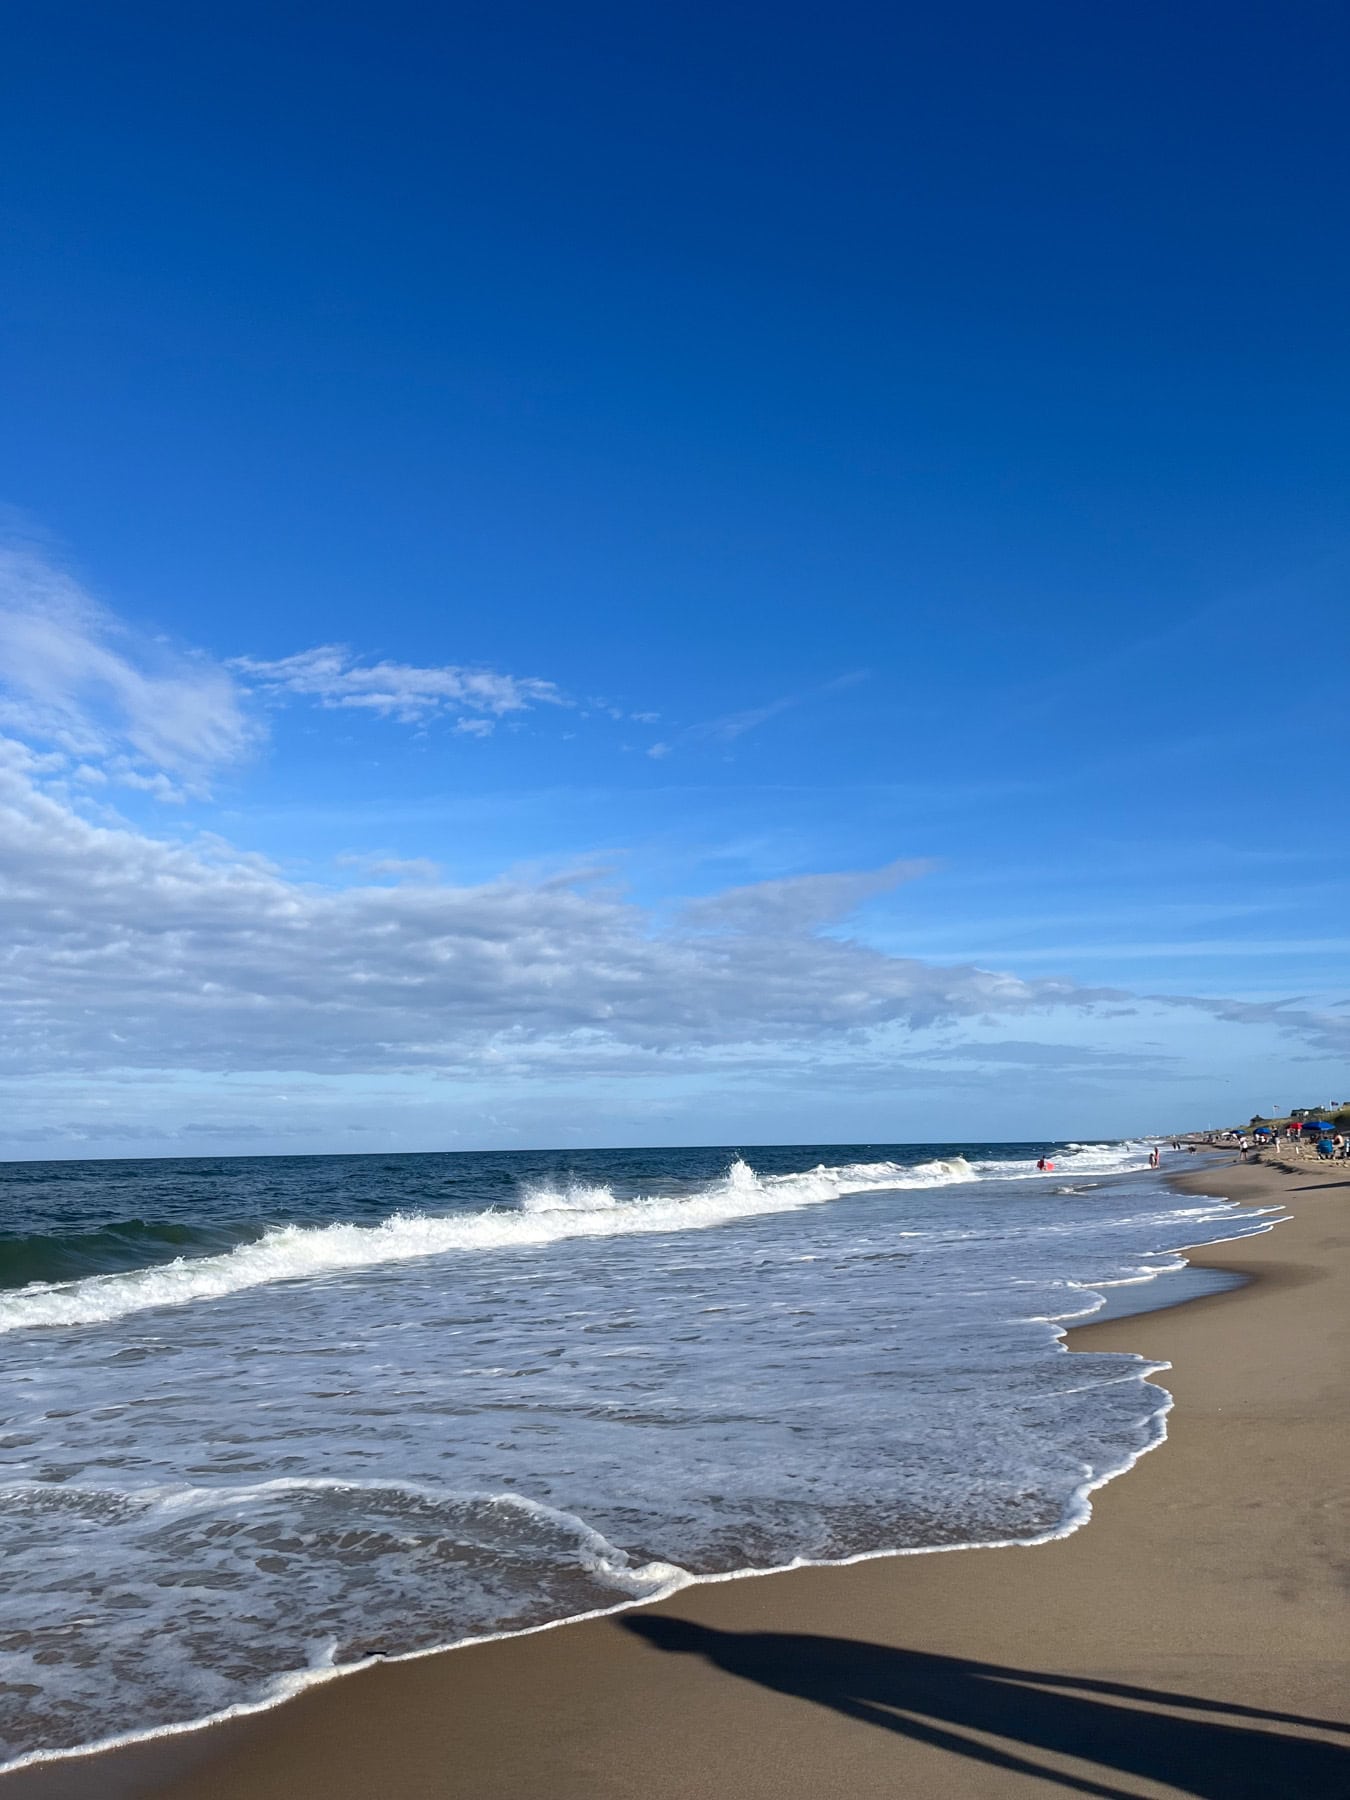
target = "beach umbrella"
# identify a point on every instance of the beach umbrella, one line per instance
(1317, 1125)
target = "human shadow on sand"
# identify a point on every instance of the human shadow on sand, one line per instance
(938, 1699)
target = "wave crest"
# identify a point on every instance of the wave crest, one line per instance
(545, 1215)
(573, 1196)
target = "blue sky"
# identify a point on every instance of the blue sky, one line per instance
(722, 576)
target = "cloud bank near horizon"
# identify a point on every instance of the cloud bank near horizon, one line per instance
(128, 950)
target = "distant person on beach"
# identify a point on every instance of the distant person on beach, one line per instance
(1153, 1158)
(1243, 1147)
(1045, 1166)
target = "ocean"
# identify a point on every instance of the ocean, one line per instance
(262, 1418)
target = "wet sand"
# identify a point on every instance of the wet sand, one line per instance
(1191, 1640)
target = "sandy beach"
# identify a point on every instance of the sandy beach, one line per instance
(1189, 1641)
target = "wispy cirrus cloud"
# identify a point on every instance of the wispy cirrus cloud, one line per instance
(123, 706)
(726, 728)
(335, 676)
(1323, 1027)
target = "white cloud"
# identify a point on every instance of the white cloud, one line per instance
(332, 675)
(122, 950)
(110, 706)
(73, 677)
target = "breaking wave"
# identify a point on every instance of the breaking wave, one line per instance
(544, 1214)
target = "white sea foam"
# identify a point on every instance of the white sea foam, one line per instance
(331, 1569)
(1126, 1158)
(546, 1216)
(574, 1196)
(284, 1499)
(634, 1587)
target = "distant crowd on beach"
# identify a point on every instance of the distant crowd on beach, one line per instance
(1300, 1137)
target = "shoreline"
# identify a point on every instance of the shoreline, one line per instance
(289, 1746)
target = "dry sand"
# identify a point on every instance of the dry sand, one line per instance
(1191, 1640)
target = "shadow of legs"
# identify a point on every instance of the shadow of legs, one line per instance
(932, 1699)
